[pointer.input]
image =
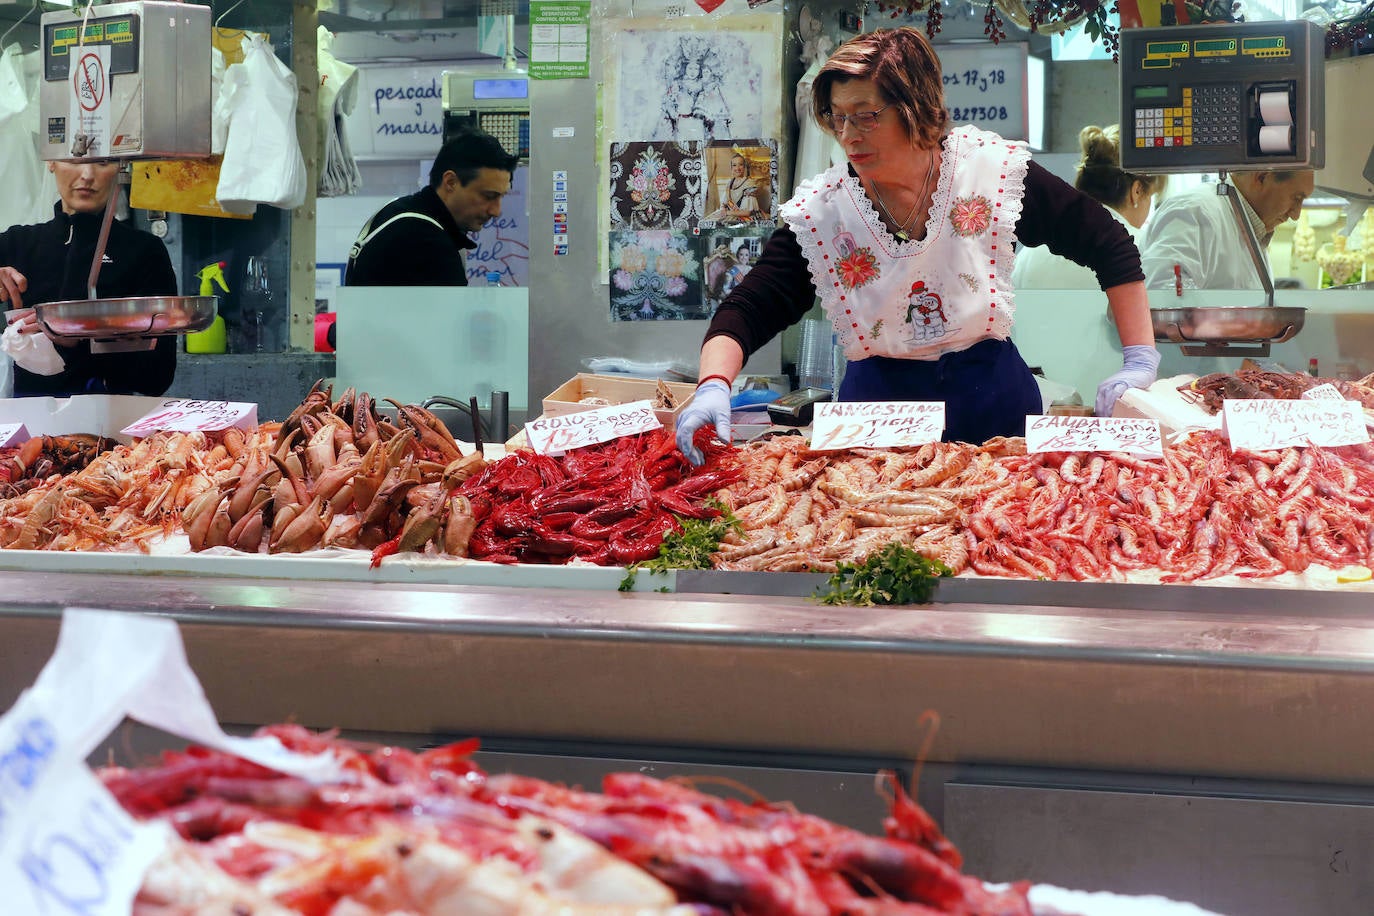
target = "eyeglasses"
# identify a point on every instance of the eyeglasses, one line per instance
(863, 120)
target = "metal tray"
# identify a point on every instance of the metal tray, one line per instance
(1227, 325)
(144, 316)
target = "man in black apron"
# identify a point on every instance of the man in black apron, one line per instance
(419, 239)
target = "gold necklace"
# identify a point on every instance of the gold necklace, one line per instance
(901, 234)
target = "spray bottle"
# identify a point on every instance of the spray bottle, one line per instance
(213, 339)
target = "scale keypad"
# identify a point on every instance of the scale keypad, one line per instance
(1207, 116)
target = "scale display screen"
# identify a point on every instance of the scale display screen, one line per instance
(500, 89)
(1215, 46)
(1149, 93)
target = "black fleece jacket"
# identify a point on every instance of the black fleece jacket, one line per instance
(55, 257)
(410, 251)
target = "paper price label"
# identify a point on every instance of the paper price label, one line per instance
(13, 434)
(1325, 391)
(555, 435)
(876, 424)
(1137, 436)
(1264, 424)
(186, 416)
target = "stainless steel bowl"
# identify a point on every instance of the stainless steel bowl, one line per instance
(143, 316)
(1227, 325)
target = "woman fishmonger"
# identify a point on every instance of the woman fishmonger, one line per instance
(909, 247)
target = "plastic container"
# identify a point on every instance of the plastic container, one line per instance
(214, 339)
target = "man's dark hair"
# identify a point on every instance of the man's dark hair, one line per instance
(467, 153)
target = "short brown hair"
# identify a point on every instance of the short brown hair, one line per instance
(905, 69)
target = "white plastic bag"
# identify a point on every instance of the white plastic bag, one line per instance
(34, 352)
(219, 111)
(262, 157)
(29, 189)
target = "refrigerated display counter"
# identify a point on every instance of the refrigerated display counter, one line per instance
(1206, 743)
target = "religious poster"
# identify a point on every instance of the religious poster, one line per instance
(655, 276)
(695, 84)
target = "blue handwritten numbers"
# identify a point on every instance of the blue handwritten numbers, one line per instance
(71, 868)
(22, 765)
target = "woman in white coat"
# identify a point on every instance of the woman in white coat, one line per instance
(1127, 196)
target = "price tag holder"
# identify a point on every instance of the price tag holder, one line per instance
(556, 435)
(1136, 435)
(66, 846)
(1265, 424)
(183, 415)
(13, 434)
(1323, 392)
(876, 424)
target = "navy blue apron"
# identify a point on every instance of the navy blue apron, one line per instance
(987, 389)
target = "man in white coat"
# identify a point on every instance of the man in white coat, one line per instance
(1198, 231)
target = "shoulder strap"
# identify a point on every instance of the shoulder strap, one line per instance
(368, 233)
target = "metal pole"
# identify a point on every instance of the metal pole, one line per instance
(1247, 232)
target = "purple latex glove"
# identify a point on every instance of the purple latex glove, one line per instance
(1140, 365)
(711, 406)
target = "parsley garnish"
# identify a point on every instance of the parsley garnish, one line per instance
(894, 575)
(690, 548)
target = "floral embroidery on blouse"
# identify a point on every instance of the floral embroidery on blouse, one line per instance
(877, 330)
(858, 268)
(970, 281)
(971, 215)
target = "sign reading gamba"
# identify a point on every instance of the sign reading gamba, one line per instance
(1138, 436)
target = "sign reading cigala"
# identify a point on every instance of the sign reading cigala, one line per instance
(399, 111)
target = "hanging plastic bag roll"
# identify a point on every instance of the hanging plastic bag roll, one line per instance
(262, 163)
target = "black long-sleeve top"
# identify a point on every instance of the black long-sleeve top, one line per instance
(55, 257)
(778, 290)
(412, 251)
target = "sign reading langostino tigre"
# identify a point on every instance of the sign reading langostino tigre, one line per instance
(876, 424)
(1093, 434)
(1259, 424)
(552, 435)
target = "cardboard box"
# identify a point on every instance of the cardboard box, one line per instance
(615, 389)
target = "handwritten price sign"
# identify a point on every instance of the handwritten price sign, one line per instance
(186, 416)
(13, 434)
(1094, 434)
(554, 435)
(1263, 424)
(876, 424)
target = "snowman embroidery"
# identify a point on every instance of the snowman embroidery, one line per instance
(925, 312)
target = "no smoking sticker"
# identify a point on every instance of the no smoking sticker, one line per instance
(89, 82)
(90, 103)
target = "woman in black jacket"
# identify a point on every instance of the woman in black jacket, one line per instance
(51, 262)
